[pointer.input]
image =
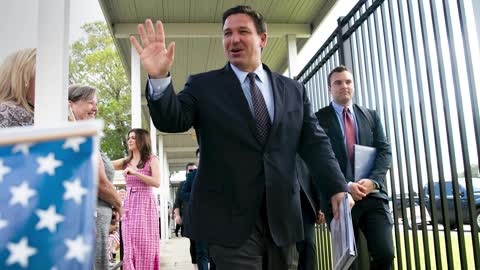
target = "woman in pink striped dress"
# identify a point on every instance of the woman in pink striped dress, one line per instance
(140, 228)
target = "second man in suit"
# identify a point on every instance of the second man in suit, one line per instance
(347, 124)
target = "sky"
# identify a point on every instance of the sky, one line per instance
(81, 12)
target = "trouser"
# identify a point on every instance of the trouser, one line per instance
(178, 228)
(259, 252)
(372, 216)
(201, 254)
(306, 248)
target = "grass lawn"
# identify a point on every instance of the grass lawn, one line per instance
(443, 251)
(323, 253)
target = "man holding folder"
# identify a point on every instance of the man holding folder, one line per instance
(347, 124)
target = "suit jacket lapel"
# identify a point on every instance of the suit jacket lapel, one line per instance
(278, 90)
(362, 125)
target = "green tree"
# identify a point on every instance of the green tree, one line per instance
(94, 61)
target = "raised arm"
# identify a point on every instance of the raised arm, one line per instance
(156, 59)
(118, 164)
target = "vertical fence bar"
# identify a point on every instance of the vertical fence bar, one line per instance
(470, 64)
(421, 87)
(384, 71)
(341, 55)
(374, 64)
(376, 103)
(392, 64)
(453, 48)
(359, 74)
(476, 123)
(443, 83)
(403, 115)
(438, 144)
(413, 113)
(323, 72)
(368, 86)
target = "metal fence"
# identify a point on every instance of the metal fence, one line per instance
(414, 62)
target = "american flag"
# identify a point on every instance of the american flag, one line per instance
(47, 200)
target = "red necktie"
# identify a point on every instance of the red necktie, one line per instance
(349, 133)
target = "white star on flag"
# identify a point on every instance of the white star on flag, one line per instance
(48, 218)
(77, 249)
(20, 252)
(48, 164)
(73, 190)
(22, 147)
(3, 223)
(3, 170)
(21, 194)
(74, 143)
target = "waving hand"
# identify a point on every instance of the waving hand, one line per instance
(156, 58)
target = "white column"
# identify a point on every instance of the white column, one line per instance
(292, 55)
(166, 195)
(164, 186)
(153, 138)
(136, 96)
(52, 62)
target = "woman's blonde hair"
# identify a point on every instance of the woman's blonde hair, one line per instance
(15, 74)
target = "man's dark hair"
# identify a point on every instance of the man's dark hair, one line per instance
(197, 152)
(189, 164)
(340, 68)
(257, 18)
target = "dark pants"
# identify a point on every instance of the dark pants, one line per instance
(202, 254)
(212, 265)
(306, 249)
(193, 251)
(178, 228)
(372, 216)
(257, 253)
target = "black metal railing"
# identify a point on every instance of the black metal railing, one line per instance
(414, 62)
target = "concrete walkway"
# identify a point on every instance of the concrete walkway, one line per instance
(175, 255)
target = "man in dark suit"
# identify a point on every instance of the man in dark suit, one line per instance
(200, 246)
(178, 204)
(347, 124)
(250, 123)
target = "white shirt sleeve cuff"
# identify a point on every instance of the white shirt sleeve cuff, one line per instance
(156, 87)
